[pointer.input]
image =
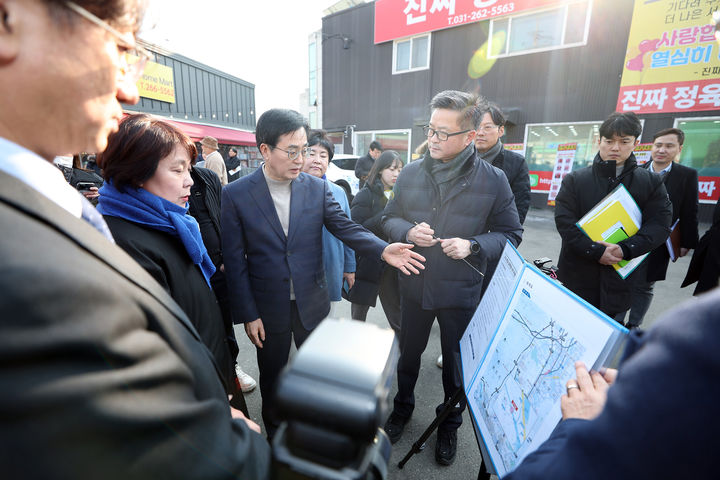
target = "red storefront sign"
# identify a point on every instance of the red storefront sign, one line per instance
(689, 96)
(709, 189)
(540, 181)
(403, 18)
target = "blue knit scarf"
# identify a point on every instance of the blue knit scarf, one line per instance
(140, 206)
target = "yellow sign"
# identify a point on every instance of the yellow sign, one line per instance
(672, 63)
(157, 82)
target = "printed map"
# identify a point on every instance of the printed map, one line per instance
(524, 379)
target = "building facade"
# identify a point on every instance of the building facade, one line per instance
(200, 100)
(557, 68)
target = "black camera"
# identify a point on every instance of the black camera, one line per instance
(332, 399)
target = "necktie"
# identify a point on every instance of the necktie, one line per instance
(90, 215)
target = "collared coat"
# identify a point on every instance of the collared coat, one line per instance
(578, 266)
(260, 260)
(100, 365)
(682, 187)
(478, 206)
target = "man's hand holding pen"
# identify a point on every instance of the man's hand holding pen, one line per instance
(423, 235)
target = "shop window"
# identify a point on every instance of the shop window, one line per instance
(398, 140)
(701, 149)
(411, 54)
(560, 27)
(542, 140)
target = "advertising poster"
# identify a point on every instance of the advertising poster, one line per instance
(672, 62)
(157, 81)
(402, 18)
(563, 166)
(642, 153)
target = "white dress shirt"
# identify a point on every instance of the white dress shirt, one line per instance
(39, 174)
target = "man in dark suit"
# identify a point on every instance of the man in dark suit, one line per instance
(681, 183)
(272, 246)
(103, 376)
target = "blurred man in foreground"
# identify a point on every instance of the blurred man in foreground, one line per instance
(103, 376)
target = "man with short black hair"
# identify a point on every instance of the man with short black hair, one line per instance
(681, 183)
(585, 266)
(232, 165)
(103, 375)
(490, 148)
(272, 223)
(459, 211)
(365, 163)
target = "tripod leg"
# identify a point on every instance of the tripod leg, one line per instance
(447, 408)
(483, 474)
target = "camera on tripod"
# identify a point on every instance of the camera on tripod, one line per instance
(332, 399)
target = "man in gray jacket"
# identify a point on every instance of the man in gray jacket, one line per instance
(459, 212)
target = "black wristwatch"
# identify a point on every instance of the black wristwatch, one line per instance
(474, 247)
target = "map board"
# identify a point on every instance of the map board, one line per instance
(517, 363)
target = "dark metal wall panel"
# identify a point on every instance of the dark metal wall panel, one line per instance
(202, 90)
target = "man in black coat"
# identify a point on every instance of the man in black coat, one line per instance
(681, 183)
(459, 212)
(585, 266)
(232, 164)
(365, 163)
(103, 375)
(490, 148)
(205, 208)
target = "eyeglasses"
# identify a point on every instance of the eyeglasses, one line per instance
(442, 136)
(488, 128)
(293, 154)
(130, 70)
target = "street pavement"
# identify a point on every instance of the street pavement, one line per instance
(540, 239)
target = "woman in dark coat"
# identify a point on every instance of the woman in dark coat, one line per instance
(144, 201)
(373, 276)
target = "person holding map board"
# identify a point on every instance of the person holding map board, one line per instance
(657, 420)
(586, 265)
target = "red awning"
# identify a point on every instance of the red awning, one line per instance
(228, 136)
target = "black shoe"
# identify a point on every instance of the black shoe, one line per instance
(446, 447)
(394, 427)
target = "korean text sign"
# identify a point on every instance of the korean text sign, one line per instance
(402, 18)
(672, 62)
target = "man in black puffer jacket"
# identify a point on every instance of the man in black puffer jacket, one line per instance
(459, 212)
(585, 266)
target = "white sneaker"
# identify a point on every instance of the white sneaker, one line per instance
(247, 383)
(439, 361)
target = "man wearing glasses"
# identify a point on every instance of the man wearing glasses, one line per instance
(459, 212)
(272, 223)
(103, 376)
(490, 148)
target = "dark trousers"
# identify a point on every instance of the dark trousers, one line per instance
(642, 296)
(414, 335)
(389, 294)
(271, 360)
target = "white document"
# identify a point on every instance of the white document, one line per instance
(486, 319)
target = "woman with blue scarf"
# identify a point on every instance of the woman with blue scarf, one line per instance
(144, 202)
